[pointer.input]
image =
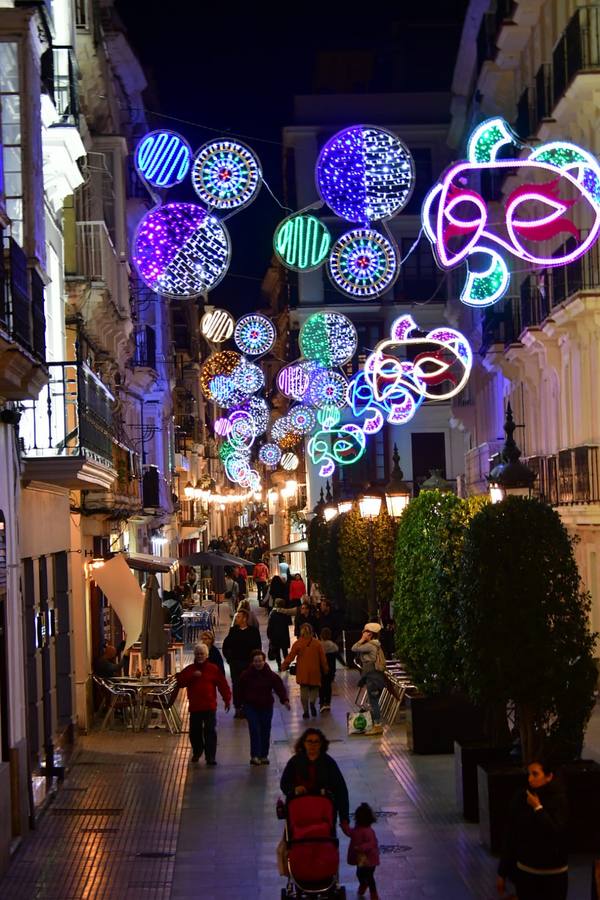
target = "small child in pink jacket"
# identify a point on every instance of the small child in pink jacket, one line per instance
(363, 851)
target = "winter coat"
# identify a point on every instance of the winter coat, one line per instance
(257, 686)
(363, 842)
(214, 656)
(322, 775)
(301, 620)
(310, 661)
(202, 681)
(331, 621)
(261, 572)
(297, 589)
(537, 840)
(239, 644)
(331, 650)
(278, 630)
(368, 654)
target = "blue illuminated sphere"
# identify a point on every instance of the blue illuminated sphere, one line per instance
(365, 174)
(163, 158)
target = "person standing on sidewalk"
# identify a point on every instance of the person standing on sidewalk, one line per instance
(331, 650)
(237, 650)
(278, 632)
(202, 679)
(311, 664)
(258, 683)
(368, 649)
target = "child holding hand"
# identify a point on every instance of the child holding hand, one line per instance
(363, 851)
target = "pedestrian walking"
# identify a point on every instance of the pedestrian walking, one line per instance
(214, 655)
(261, 576)
(278, 632)
(258, 683)
(277, 590)
(331, 650)
(241, 640)
(327, 617)
(304, 616)
(232, 592)
(202, 679)
(252, 617)
(363, 850)
(310, 666)
(535, 854)
(297, 589)
(372, 665)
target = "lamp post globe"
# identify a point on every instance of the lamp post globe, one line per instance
(397, 492)
(510, 477)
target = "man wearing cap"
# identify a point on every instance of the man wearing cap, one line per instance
(368, 649)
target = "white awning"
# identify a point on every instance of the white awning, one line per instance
(295, 547)
(116, 580)
(145, 562)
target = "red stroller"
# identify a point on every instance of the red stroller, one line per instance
(313, 850)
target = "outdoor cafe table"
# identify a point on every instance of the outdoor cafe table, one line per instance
(140, 687)
(195, 621)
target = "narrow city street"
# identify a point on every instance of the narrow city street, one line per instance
(136, 820)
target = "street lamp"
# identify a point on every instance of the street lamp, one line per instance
(330, 510)
(320, 505)
(397, 492)
(436, 482)
(510, 477)
(369, 505)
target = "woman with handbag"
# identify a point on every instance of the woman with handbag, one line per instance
(311, 664)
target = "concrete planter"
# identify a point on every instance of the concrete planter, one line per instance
(434, 723)
(467, 756)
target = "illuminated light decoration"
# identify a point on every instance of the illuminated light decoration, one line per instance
(328, 388)
(290, 462)
(248, 378)
(270, 454)
(560, 185)
(226, 174)
(363, 264)
(223, 363)
(242, 431)
(217, 325)
(365, 174)
(180, 250)
(260, 412)
(301, 242)
(254, 334)
(162, 158)
(336, 446)
(329, 338)
(222, 426)
(223, 391)
(294, 380)
(301, 419)
(226, 451)
(280, 428)
(289, 440)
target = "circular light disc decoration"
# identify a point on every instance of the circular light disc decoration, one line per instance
(290, 462)
(248, 377)
(301, 242)
(226, 174)
(260, 412)
(219, 365)
(301, 419)
(217, 325)
(363, 264)
(289, 440)
(269, 454)
(329, 338)
(162, 158)
(365, 174)
(180, 250)
(328, 388)
(280, 428)
(254, 334)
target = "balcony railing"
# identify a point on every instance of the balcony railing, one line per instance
(578, 50)
(542, 108)
(59, 81)
(71, 417)
(571, 476)
(22, 314)
(97, 260)
(145, 347)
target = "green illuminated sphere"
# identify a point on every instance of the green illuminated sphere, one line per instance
(302, 242)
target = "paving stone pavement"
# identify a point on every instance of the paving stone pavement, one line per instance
(136, 820)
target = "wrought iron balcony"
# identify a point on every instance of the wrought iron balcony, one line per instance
(97, 261)
(70, 421)
(568, 477)
(578, 50)
(59, 81)
(145, 347)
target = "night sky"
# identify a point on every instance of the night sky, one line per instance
(225, 71)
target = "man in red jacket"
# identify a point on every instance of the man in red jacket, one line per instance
(202, 679)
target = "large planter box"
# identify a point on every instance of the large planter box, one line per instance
(348, 638)
(467, 756)
(434, 723)
(497, 783)
(582, 779)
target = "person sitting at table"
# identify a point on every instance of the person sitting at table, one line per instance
(105, 665)
(214, 655)
(202, 679)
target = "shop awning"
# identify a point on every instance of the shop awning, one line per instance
(295, 547)
(145, 562)
(119, 585)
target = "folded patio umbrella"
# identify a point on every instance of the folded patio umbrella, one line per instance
(154, 639)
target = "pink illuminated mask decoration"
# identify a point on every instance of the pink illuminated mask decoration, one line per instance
(558, 197)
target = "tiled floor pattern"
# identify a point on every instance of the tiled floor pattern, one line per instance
(135, 820)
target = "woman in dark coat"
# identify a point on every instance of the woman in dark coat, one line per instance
(312, 771)
(304, 616)
(278, 632)
(535, 855)
(241, 640)
(278, 590)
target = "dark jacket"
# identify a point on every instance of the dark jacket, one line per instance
(278, 630)
(327, 778)
(536, 839)
(300, 620)
(104, 668)
(214, 656)
(202, 681)
(332, 621)
(240, 642)
(257, 686)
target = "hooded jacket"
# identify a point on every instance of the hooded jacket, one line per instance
(368, 654)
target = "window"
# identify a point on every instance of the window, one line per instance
(419, 275)
(10, 118)
(423, 179)
(428, 452)
(369, 334)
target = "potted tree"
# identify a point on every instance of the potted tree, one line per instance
(427, 562)
(525, 639)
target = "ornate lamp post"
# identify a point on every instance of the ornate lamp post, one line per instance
(436, 482)
(510, 476)
(330, 510)
(397, 492)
